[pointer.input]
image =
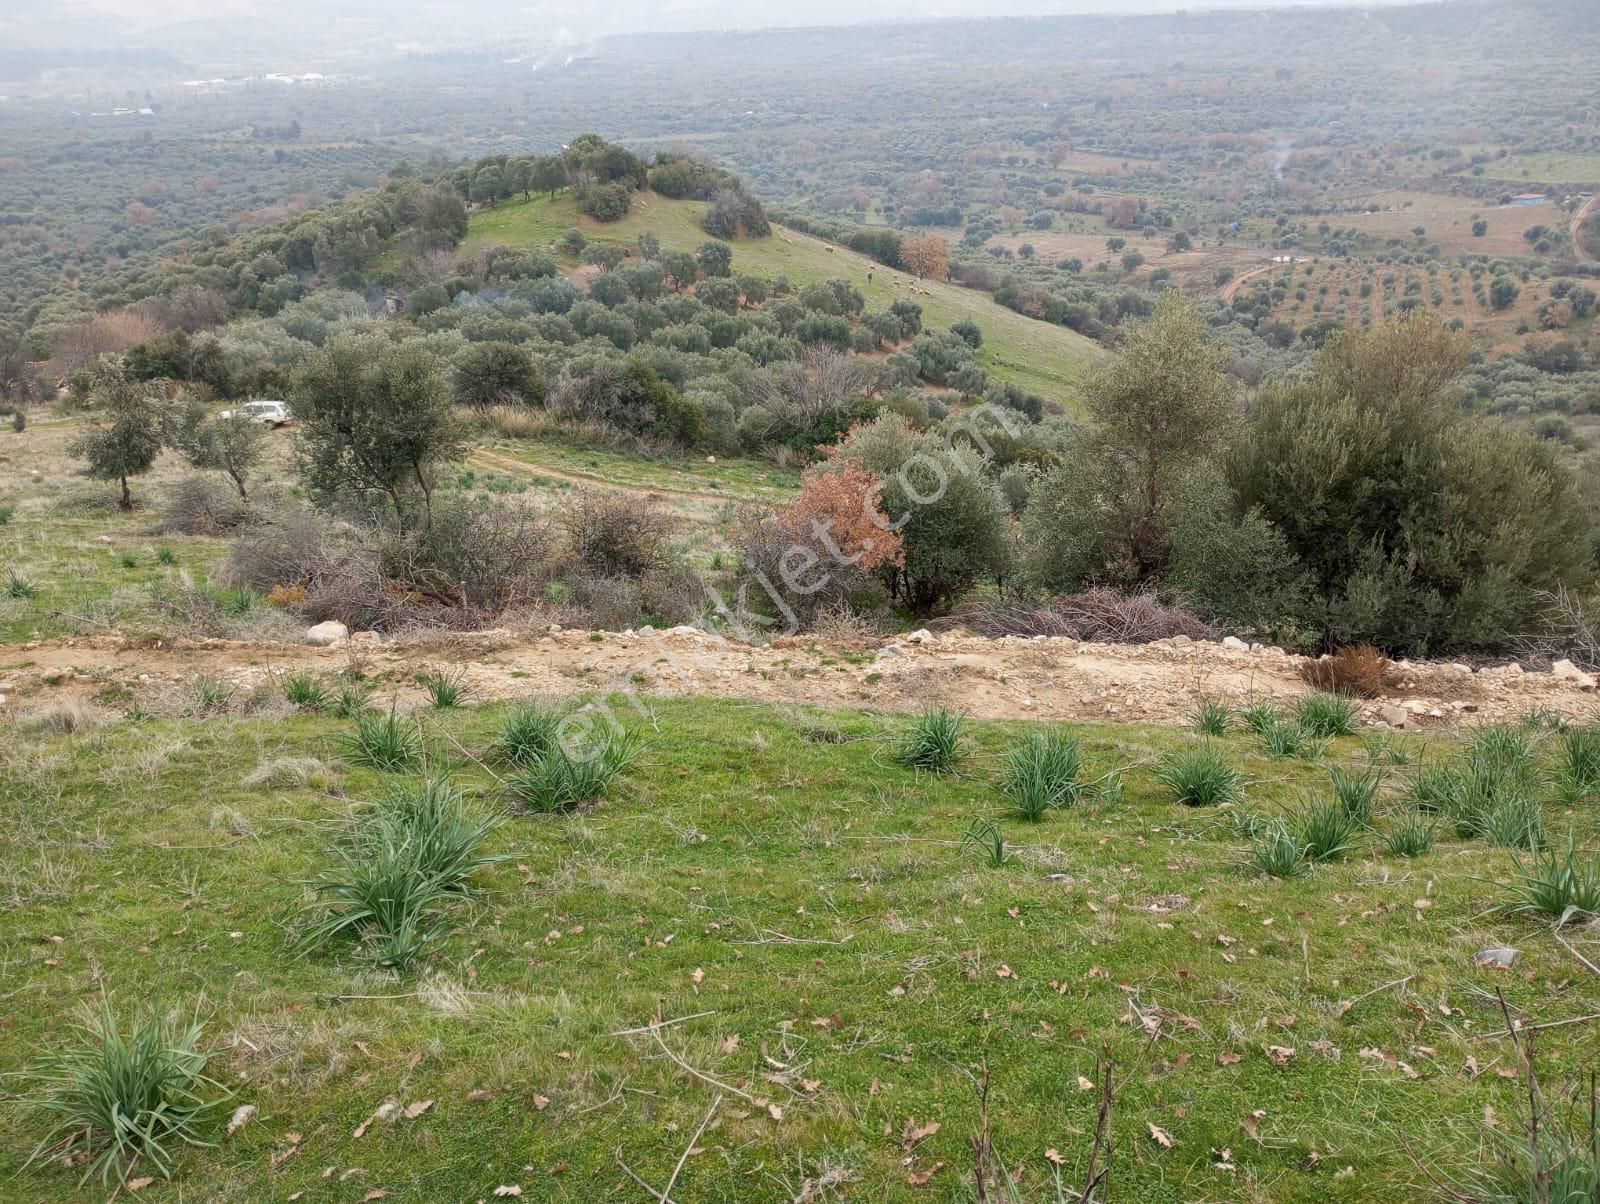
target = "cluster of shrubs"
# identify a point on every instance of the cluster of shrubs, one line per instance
(606, 561)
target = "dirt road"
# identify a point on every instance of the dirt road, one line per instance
(1584, 213)
(1009, 678)
(1231, 289)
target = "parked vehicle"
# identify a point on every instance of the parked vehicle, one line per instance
(267, 412)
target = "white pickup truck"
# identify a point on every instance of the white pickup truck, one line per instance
(267, 412)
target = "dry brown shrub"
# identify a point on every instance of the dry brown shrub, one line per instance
(618, 533)
(202, 505)
(1100, 615)
(286, 595)
(67, 717)
(1359, 670)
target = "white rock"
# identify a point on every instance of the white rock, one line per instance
(921, 636)
(324, 634)
(1565, 670)
(684, 629)
(1234, 642)
(1394, 716)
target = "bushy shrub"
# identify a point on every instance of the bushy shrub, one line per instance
(1421, 528)
(202, 505)
(951, 516)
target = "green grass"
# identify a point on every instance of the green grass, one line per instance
(737, 479)
(125, 1102)
(1042, 773)
(1547, 167)
(1211, 718)
(934, 741)
(386, 741)
(817, 901)
(1040, 357)
(75, 584)
(1200, 776)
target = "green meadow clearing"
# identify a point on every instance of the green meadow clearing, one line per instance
(830, 965)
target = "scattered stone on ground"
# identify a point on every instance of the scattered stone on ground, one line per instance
(325, 635)
(1052, 678)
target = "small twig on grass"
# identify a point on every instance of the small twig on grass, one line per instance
(655, 1024)
(666, 1192)
(476, 760)
(783, 938)
(1567, 945)
(1514, 1031)
(634, 1175)
(1444, 1188)
(700, 1074)
(1399, 982)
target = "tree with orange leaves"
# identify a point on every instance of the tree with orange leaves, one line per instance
(837, 512)
(926, 255)
(820, 551)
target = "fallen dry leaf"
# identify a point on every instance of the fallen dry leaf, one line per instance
(377, 1193)
(508, 1189)
(1252, 1124)
(1159, 1135)
(241, 1117)
(1084, 1084)
(729, 1043)
(479, 1094)
(541, 1102)
(774, 1111)
(139, 1184)
(417, 1108)
(913, 1135)
(1054, 1155)
(1229, 1059)
(290, 1149)
(1281, 1055)
(922, 1178)
(698, 977)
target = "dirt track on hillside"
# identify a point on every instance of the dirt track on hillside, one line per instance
(1576, 227)
(1057, 679)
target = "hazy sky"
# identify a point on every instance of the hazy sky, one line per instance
(618, 16)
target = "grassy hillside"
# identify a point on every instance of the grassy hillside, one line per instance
(836, 966)
(1042, 358)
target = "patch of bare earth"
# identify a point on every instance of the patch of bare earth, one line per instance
(1006, 678)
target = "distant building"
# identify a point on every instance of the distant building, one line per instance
(1525, 199)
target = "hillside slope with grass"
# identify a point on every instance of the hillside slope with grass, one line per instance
(773, 961)
(1037, 356)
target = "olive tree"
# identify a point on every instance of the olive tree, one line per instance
(1162, 409)
(127, 428)
(377, 421)
(232, 446)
